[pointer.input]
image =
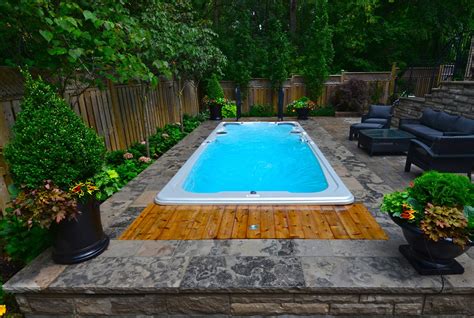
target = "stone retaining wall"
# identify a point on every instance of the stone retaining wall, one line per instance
(452, 97)
(386, 305)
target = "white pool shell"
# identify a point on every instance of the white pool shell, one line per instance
(335, 194)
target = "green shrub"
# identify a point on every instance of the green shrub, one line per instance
(229, 110)
(115, 157)
(442, 189)
(129, 170)
(214, 89)
(50, 141)
(325, 111)
(259, 110)
(108, 181)
(20, 243)
(137, 150)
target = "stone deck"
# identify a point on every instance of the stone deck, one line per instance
(249, 277)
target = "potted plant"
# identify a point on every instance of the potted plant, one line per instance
(214, 98)
(435, 214)
(51, 156)
(302, 107)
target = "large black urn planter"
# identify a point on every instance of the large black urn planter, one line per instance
(215, 112)
(81, 239)
(427, 256)
(303, 113)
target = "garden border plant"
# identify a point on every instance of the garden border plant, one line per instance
(24, 229)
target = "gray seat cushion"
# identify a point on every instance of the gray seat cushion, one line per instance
(446, 122)
(429, 118)
(380, 111)
(381, 121)
(422, 131)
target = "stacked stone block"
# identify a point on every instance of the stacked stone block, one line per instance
(451, 97)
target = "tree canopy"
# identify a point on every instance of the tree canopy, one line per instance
(105, 39)
(237, 39)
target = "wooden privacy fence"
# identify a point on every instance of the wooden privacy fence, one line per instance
(259, 91)
(117, 113)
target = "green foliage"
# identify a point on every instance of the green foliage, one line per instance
(393, 202)
(108, 181)
(85, 41)
(50, 142)
(317, 51)
(442, 222)
(279, 52)
(115, 157)
(214, 89)
(351, 96)
(258, 110)
(439, 203)
(327, 111)
(372, 34)
(229, 110)
(20, 243)
(443, 189)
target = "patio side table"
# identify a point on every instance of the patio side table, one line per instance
(384, 140)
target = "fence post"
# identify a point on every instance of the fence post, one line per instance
(393, 77)
(117, 121)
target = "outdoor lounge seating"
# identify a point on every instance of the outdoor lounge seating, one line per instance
(434, 124)
(378, 117)
(443, 142)
(446, 154)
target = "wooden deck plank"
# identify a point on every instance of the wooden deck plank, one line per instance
(372, 226)
(135, 225)
(199, 226)
(310, 228)
(239, 230)
(294, 222)
(322, 225)
(169, 230)
(253, 224)
(162, 216)
(216, 214)
(351, 228)
(227, 223)
(281, 222)
(335, 224)
(267, 222)
(194, 222)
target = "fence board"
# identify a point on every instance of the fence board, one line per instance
(259, 91)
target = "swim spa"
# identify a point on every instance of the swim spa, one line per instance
(256, 163)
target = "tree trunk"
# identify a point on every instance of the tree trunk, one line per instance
(144, 102)
(293, 16)
(179, 93)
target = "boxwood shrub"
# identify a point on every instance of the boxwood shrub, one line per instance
(50, 142)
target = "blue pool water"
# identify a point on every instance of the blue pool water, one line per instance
(257, 157)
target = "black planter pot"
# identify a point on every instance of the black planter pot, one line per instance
(215, 112)
(429, 257)
(81, 239)
(302, 113)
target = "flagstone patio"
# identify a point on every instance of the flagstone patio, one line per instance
(249, 277)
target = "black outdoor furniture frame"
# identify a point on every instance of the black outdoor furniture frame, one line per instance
(446, 154)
